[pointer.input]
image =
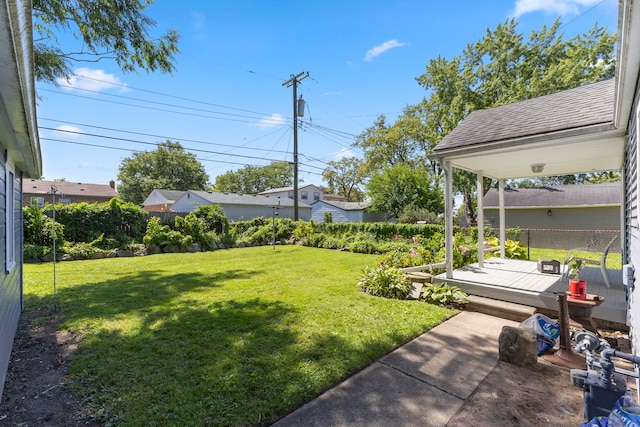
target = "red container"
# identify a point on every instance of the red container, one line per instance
(578, 289)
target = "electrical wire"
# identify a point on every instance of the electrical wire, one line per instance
(162, 136)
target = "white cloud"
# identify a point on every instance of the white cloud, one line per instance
(382, 48)
(198, 20)
(271, 121)
(343, 153)
(92, 80)
(557, 7)
(68, 131)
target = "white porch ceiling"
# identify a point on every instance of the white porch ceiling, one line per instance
(588, 153)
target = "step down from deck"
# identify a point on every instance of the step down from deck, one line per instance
(503, 309)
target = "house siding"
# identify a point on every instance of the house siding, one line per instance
(10, 282)
(592, 218)
(631, 230)
(237, 212)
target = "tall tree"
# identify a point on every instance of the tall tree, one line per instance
(403, 186)
(168, 167)
(254, 179)
(345, 178)
(108, 29)
(498, 69)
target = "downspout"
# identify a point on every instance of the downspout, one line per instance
(503, 228)
(480, 219)
(448, 218)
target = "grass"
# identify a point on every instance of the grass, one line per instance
(234, 337)
(614, 260)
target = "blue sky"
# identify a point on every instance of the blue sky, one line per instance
(226, 101)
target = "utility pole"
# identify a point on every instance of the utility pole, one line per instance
(293, 81)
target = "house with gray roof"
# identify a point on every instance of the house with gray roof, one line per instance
(162, 200)
(345, 212)
(242, 207)
(562, 207)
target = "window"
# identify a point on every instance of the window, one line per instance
(37, 201)
(290, 194)
(316, 196)
(304, 194)
(10, 235)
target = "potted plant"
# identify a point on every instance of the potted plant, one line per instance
(577, 287)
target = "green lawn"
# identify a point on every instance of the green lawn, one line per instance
(614, 260)
(231, 337)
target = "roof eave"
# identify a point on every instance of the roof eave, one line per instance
(628, 62)
(607, 129)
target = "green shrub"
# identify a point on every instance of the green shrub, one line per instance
(35, 252)
(162, 235)
(441, 294)
(328, 217)
(85, 222)
(385, 282)
(79, 250)
(39, 229)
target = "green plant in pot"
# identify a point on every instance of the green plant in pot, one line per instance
(577, 286)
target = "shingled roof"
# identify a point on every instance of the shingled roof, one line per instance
(560, 195)
(41, 187)
(244, 199)
(577, 108)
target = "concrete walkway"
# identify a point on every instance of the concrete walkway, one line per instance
(423, 383)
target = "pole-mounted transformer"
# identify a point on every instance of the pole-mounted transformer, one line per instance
(300, 108)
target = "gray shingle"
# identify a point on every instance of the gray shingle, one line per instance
(570, 109)
(245, 199)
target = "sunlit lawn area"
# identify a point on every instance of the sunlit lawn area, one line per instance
(231, 337)
(614, 260)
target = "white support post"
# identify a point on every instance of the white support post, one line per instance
(480, 217)
(448, 218)
(503, 228)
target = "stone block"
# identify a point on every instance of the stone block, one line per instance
(518, 347)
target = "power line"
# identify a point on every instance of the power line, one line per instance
(155, 144)
(165, 95)
(162, 136)
(109, 147)
(254, 121)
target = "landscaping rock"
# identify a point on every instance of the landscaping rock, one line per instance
(141, 250)
(416, 289)
(194, 247)
(518, 347)
(153, 249)
(122, 253)
(170, 249)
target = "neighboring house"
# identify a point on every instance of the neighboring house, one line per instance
(242, 207)
(594, 127)
(36, 192)
(561, 207)
(345, 212)
(162, 200)
(20, 158)
(306, 194)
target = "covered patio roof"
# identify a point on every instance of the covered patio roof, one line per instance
(563, 133)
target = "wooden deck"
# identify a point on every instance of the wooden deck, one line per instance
(520, 282)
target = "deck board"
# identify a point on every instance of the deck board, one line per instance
(520, 282)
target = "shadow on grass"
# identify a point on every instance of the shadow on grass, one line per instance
(169, 349)
(231, 363)
(144, 291)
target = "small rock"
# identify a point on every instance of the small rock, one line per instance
(518, 347)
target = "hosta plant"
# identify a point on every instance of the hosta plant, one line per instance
(387, 282)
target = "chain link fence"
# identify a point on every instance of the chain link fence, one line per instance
(542, 242)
